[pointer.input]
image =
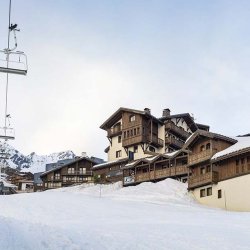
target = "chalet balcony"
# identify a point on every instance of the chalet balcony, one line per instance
(159, 174)
(201, 156)
(156, 141)
(174, 142)
(202, 180)
(115, 131)
(176, 130)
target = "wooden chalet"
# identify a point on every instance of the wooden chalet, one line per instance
(135, 134)
(219, 170)
(77, 172)
(202, 146)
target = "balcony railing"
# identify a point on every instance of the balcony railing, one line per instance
(174, 142)
(201, 156)
(157, 174)
(155, 140)
(114, 131)
(172, 127)
(204, 179)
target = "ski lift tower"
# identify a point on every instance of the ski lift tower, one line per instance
(12, 61)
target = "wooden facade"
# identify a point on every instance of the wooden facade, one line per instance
(156, 169)
(76, 172)
(202, 147)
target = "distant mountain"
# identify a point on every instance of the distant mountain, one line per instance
(31, 163)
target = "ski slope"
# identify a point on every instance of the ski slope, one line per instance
(147, 216)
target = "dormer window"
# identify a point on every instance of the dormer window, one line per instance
(132, 118)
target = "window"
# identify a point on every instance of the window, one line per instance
(119, 139)
(208, 168)
(135, 149)
(57, 176)
(208, 146)
(138, 131)
(132, 118)
(202, 170)
(82, 170)
(134, 131)
(202, 148)
(131, 132)
(71, 170)
(124, 134)
(209, 191)
(118, 153)
(219, 194)
(202, 193)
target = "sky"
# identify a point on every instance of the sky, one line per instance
(88, 58)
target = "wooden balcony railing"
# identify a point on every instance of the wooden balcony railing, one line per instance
(201, 156)
(161, 173)
(155, 140)
(174, 142)
(172, 127)
(115, 131)
(204, 179)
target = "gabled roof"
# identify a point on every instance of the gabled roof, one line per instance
(68, 164)
(188, 119)
(242, 146)
(207, 134)
(108, 164)
(118, 115)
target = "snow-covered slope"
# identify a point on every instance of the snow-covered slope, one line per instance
(32, 162)
(148, 216)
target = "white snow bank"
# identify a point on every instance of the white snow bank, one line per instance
(76, 218)
(243, 142)
(168, 190)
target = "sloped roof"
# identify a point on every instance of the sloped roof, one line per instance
(110, 163)
(241, 146)
(118, 115)
(68, 164)
(207, 134)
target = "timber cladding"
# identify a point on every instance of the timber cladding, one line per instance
(77, 172)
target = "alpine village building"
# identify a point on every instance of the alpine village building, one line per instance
(145, 148)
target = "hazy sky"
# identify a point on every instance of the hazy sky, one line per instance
(88, 58)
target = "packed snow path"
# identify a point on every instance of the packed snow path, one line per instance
(147, 216)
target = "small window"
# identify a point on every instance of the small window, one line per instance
(202, 193)
(202, 170)
(134, 131)
(132, 118)
(119, 139)
(208, 168)
(208, 146)
(118, 153)
(138, 131)
(131, 132)
(202, 148)
(135, 149)
(209, 191)
(219, 194)
(71, 170)
(124, 134)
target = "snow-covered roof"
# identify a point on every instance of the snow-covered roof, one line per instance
(241, 146)
(105, 164)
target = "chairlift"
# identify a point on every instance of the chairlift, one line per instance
(13, 62)
(7, 133)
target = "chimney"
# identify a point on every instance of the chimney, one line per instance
(166, 112)
(147, 111)
(84, 154)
